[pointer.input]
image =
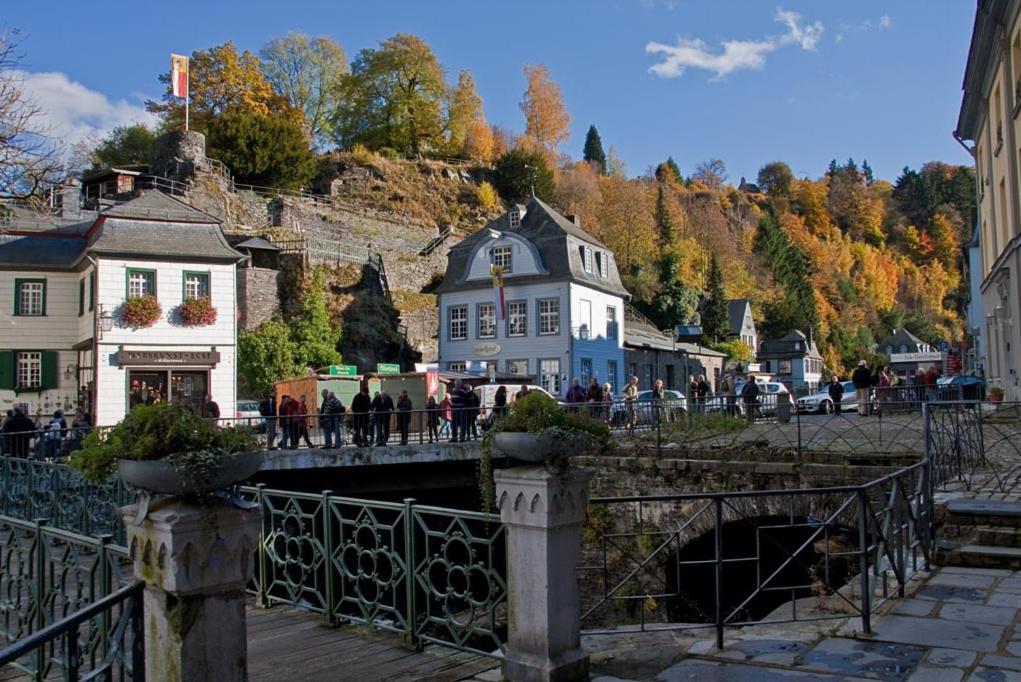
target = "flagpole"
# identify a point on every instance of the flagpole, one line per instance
(187, 100)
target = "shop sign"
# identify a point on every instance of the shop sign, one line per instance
(343, 371)
(388, 368)
(487, 349)
(167, 358)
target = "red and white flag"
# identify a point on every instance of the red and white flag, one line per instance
(179, 75)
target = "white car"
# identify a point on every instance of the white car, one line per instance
(487, 394)
(767, 399)
(248, 414)
(822, 403)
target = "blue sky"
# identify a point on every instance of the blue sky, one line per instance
(747, 82)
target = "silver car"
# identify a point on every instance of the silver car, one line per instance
(822, 403)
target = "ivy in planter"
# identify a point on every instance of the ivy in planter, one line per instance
(572, 432)
(163, 431)
(197, 312)
(141, 311)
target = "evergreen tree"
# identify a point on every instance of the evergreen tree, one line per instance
(715, 323)
(792, 270)
(664, 224)
(672, 165)
(266, 355)
(270, 150)
(593, 152)
(315, 336)
(866, 170)
(518, 171)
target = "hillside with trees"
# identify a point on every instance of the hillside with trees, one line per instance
(844, 254)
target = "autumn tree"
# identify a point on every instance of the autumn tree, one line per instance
(478, 143)
(715, 318)
(627, 226)
(519, 172)
(502, 141)
(220, 79)
(125, 145)
(712, 173)
(394, 97)
(271, 150)
(777, 180)
(593, 152)
(29, 159)
(309, 73)
(547, 122)
(463, 112)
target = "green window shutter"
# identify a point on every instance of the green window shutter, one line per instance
(81, 297)
(7, 370)
(17, 297)
(92, 290)
(44, 297)
(49, 369)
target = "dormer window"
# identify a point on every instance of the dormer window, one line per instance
(516, 214)
(586, 259)
(603, 263)
(502, 257)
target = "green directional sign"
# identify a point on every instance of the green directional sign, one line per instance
(343, 371)
(388, 368)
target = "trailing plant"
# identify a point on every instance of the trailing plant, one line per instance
(197, 312)
(141, 311)
(570, 433)
(191, 443)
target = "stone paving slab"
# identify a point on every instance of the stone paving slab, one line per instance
(926, 674)
(947, 593)
(704, 671)
(984, 507)
(970, 613)
(982, 674)
(955, 658)
(875, 660)
(962, 580)
(937, 632)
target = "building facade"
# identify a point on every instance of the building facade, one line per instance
(990, 120)
(650, 354)
(908, 353)
(563, 297)
(742, 323)
(793, 360)
(65, 343)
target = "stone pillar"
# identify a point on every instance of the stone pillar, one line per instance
(195, 562)
(543, 516)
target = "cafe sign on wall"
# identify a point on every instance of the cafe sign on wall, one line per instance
(167, 358)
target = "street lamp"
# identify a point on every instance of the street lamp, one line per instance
(105, 321)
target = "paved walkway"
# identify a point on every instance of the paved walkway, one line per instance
(960, 624)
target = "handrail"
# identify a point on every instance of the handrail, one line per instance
(51, 632)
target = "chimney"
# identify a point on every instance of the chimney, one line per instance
(70, 199)
(574, 218)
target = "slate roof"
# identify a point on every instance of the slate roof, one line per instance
(638, 334)
(902, 337)
(257, 243)
(27, 252)
(155, 205)
(735, 314)
(784, 348)
(547, 230)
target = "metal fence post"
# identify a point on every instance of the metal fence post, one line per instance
(138, 636)
(409, 573)
(106, 587)
(328, 612)
(40, 593)
(719, 572)
(863, 561)
(260, 552)
(797, 421)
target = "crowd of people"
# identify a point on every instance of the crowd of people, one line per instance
(41, 437)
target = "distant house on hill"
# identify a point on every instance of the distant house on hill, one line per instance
(794, 360)
(908, 353)
(741, 322)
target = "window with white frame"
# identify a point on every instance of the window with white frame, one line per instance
(611, 323)
(549, 375)
(196, 285)
(517, 318)
(584, 319)
(457, 366)
(586, 258)
(141, 283)
(515, 218)
(487, 320)
(611, 374)
(549, 316)
(603, 261)
(31, 297)
(30, 370)
(502, 257)
(458, 325)
(586, 371)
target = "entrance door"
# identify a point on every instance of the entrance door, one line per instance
(549, 375)
(190, 389)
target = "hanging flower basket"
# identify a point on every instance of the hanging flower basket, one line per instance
(140, 311)
(197, 312)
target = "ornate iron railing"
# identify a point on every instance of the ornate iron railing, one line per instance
(431, 574)
(974, 445)
(47, 575)
(661, 562)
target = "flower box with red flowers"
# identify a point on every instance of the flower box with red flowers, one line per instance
(140, 311)
(197, 312)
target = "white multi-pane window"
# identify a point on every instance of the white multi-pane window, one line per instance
(501, 257)
(141, 283)
(515, 218)
(611, 323)
(603, 261)
(457, 366)
(611, 374)
(30, 370)
(519, 367)
(549, 316)
(517, 315)
(487, 320)
(549, 375)
(196, 285)
(586, 258)
(32, 298)
(458, 322)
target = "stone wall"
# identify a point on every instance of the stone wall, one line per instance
(258, 296)
(178, 155)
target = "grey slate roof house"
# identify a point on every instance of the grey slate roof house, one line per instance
(742, 323)
(794, 360)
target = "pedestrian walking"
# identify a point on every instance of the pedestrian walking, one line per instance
(289, 409)
(432, 418)
(474, 407)
(361, 404)
(658, 410)
(575, 395)
(17, 432)
(607, 402)
(702, 389)
(404, 407)
(630, 400)
(862, 380)
(210, 409)
(836, 391)
(728, 388)
(446, 416)
(522, 392)
(459, 413)
(750, 395)
(48, 445)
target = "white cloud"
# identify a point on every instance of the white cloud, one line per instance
(737, 55)
(883, 23)
(72, 112)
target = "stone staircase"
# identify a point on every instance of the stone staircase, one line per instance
(979, 532)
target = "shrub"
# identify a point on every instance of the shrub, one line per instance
(198, 311)
(163, 431)
(141, 311)
(487, 197)
(361, 154)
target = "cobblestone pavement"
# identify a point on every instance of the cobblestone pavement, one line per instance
(959, 624)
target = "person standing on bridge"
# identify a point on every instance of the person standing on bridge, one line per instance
(630, 398)
(404, 408)
(360, 406)
(382, 414)
(432, 418)
(268, 410)
(330, 413)
(862, 380)
(836, 391)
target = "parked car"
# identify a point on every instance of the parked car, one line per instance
(822, 403)
(673, 408)
(767, 400)
(248, 414)
(971, 387)
(487, 395)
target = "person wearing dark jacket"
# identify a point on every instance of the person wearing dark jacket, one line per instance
(382, 412)
(17, 432)
(750, 395)
(836, 391)
(500, 402)
(474, 407)
(268, 410)
(360, 406)
(210, 409)
(862, 378)
(432, 418)
(404, 408)
(330, 413)
(459, 407)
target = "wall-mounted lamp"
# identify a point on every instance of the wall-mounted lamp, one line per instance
(70, 370)
(105, 321)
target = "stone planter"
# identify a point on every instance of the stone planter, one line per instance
(160, 476)
(524, 446)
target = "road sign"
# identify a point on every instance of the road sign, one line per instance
(944, 346)
(388, 368)
(343, 371)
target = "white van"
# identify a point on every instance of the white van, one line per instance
(487, 395)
